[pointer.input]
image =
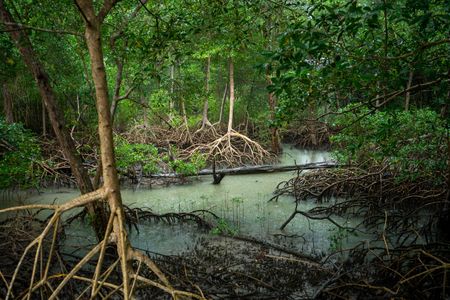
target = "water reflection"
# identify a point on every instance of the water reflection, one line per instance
(240, 201)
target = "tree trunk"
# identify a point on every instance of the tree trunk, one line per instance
(385, 46)
(231, 74)
(275, 138)
(185, 120)
(111, 181)
(118, 84)
(172, 90)
(408, 94)
(44, 120)
(258, 169)
(222, 104)
(93, 41)
(56, 117)
(7, 104)
(312, 124)
(145, 111)
(120, 59)
(205, 121)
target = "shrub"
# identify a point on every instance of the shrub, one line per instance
(414, 143)
(129, 156)
(191, 167)
(19, 156)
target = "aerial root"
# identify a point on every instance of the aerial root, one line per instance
(364, 193)
(309, 134)
(407, 256)
(232, 149)
(31, 267)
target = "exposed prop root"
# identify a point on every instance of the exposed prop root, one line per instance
(233, 149)
(137, 215)
(240, 269)
(416, 272)
(408, 255)
(309, 134)
(230, 149)
(159, 136)
(369, 194)
(38, 254)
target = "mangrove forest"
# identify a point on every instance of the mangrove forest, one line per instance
(224, 149)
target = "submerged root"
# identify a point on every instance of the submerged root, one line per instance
(16, 234)
(135, 216)
(229, 269)
(416, 272)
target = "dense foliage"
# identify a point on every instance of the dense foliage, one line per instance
(19, 156)
(414, 143)
(133, 158)
(341, 52)
(166, 61)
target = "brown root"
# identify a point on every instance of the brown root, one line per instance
(38, 254)
(407, 255)
(227, 268)
(309, 134)
(369, 194)
(232, 149)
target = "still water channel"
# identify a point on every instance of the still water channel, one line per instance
(241, 201)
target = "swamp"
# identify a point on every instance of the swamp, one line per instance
(229, 149)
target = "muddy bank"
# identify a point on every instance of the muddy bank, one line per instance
(226, 268)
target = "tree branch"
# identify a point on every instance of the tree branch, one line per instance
(421, 48)
(19, 26)
(387, 97)
(86, 9)
(126, 95)
(107, 5)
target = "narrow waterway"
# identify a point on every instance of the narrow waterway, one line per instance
(241, 201)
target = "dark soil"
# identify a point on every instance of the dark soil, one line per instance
(225, 268)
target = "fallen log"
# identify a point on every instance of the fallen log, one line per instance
(254, 170)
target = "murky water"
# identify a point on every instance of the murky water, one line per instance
(241, 202)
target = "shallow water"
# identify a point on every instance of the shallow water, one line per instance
(241, 201)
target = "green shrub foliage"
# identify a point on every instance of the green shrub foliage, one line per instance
(414, 143)
(131, 156)
(19, 156)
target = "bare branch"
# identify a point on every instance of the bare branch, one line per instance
(386, 98)
(79, 201)
(421, 48)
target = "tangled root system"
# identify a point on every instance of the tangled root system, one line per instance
(407, 256)
(309, 134)
(233, 149)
